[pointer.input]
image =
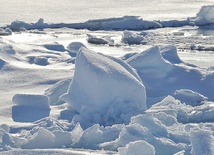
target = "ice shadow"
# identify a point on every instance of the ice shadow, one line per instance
(30, 107)
(28, 113)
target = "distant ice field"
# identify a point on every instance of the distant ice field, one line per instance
(71, 11)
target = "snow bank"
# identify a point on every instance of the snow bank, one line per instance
(104, 88)
(29, 107)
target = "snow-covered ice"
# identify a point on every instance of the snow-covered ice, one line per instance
(110, 84)
(116, 85)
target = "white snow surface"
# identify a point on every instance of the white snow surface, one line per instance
(69, 91)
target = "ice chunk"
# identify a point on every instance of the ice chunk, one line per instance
(202, 142)
(30, 107)
(76, 133)
(6, 31)
(99, 81)
(137, 148)
(133, 38)
(189, 97)
(21, 25)
(33, 100)
(170, 53)
(153, 124)
(56, 91)
(62, 139)
(150, 62)
(205, 15)
(42, 61)
(74, 47)
(55, 47)
(99, 40)
(5, 127)
(41, 139)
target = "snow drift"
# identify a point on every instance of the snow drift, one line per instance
(110, 83)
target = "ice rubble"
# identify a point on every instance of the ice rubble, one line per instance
(106, 108)
(182, 124)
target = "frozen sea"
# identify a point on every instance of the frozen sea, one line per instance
(78, 82)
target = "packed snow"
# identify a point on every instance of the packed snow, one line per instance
(98, 87)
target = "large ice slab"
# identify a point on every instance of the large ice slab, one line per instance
(104, 86)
